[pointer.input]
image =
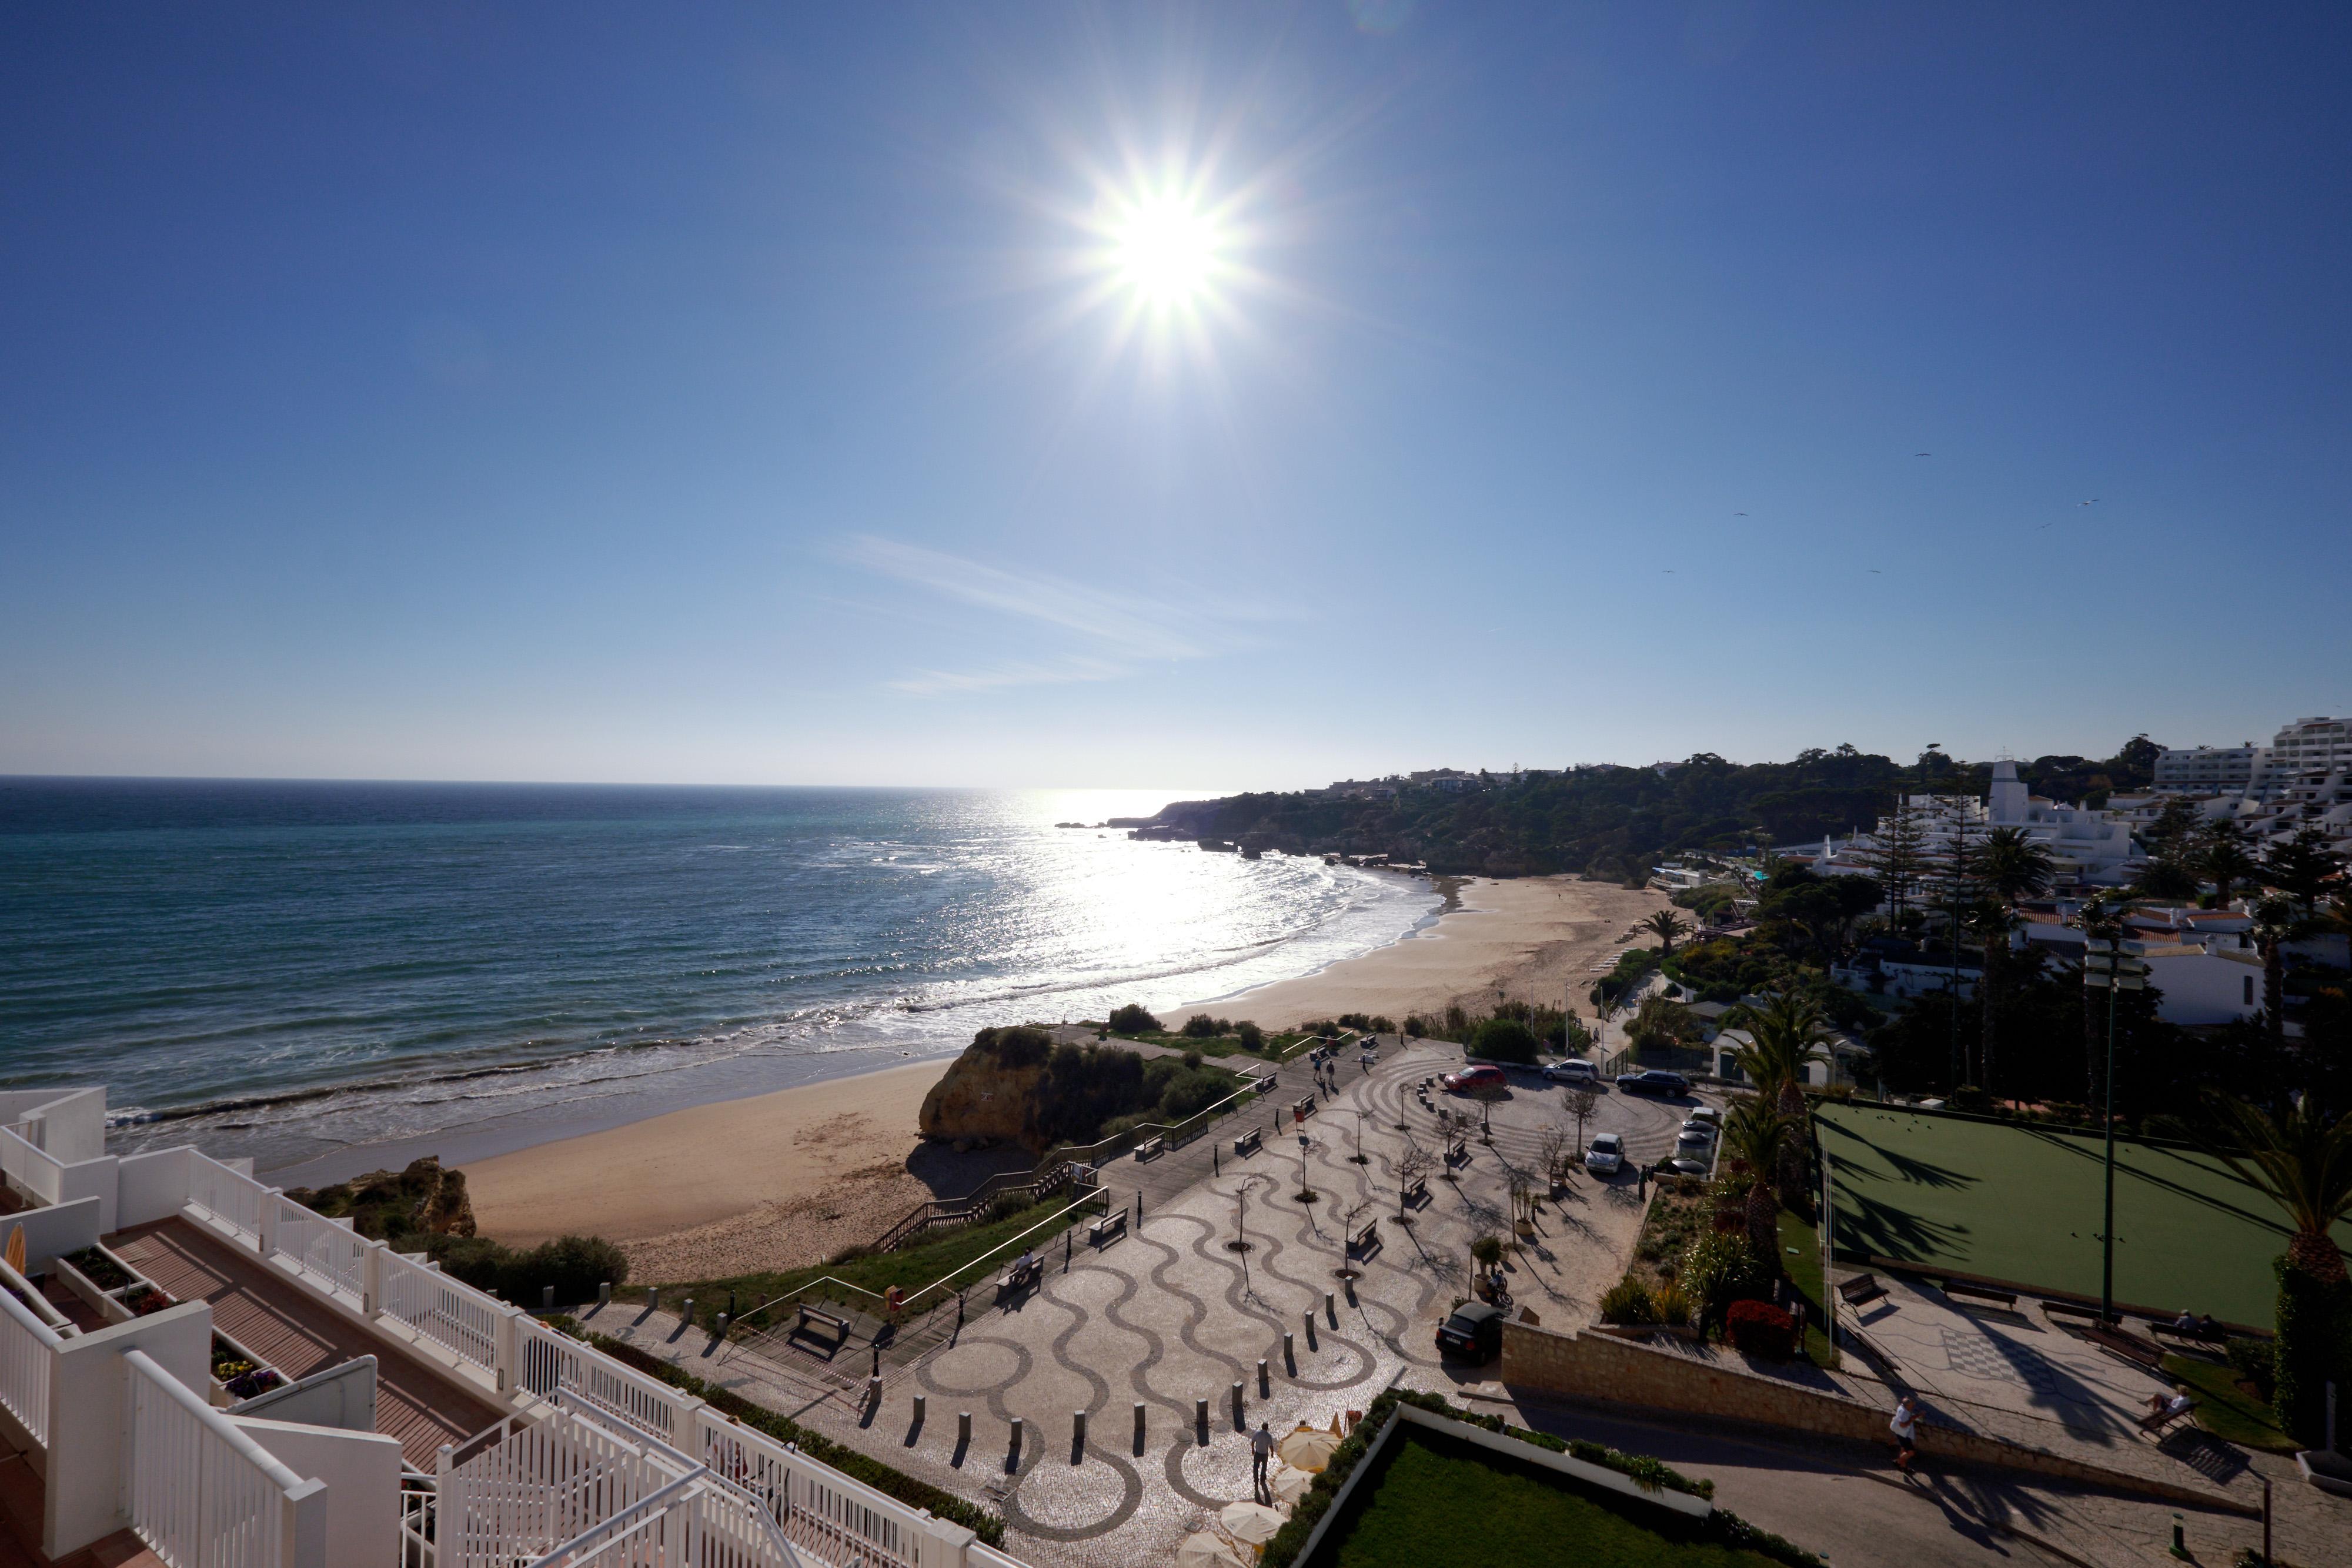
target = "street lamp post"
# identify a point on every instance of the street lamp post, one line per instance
(2111, 965)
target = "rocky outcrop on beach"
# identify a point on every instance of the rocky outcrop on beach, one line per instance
(423, 1199)
(990, 1094)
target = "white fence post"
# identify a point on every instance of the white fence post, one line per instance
(372, 1278)
(506, 1359)
(265, 1223)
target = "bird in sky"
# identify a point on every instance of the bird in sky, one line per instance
(1667, 569)
(2039, 526)
(2092, 501)
(1738, 514)
(1923, 454)
(1876, 572)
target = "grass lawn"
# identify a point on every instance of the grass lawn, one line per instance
(1439, 1503)
(2020, 1203)
(1804, 1267)
(2224, 1409)
(910, 1268)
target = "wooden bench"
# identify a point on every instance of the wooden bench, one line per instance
(2069, 1309)
(1152, 1148)
(1860, 1289)
(1249, 1142)
(1108, 1226)
(1417, 1193)
(1367, 1238)
(1457, 1152)
(2005, 1300)
(2127, 1348)
(2158, 1423)
(1018, 1279)
(2196, 1338)
(1302, 1107)
(834, 1320)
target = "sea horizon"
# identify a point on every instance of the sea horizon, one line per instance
(317, 972)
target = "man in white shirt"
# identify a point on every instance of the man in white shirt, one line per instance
(1906, 1428)
(1261, 1454)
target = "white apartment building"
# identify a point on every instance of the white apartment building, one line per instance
(439, 1428)
(2210, 769)
(2302, 780)
(2086, 847)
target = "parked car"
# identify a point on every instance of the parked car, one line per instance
(1606, 1155)
(1653, 1081)
(1708, 1113)
(1474, 1331)
(1576, 1071)
(1471, 1078)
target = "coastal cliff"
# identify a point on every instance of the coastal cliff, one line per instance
(990, 1092)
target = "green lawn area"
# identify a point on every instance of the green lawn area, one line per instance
(2224, 1409)
(1804, 1266)
(2022, 1204)
(1441, 1503)
(910, 1268)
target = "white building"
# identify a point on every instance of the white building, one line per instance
(2210, 769)
(2303, 779)
(2086, 847)
(446, 1428)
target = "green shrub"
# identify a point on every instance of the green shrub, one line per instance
(1252, 1037)
(574, 1265)
(2254, 1360)
(1199, 1026)
(1628, 1303)
(1134, 1019)
(1671, 1304)
(1504, 1039)
(1717, 1270)
(2314, 1345)
(1760, 1328)
(1487, 1249)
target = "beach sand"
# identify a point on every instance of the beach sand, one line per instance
(789, 1178)
(1524, 939)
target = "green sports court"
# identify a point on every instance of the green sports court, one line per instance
(2020, 1204)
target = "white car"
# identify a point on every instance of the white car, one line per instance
(1607, 1155)
(1572, 1072)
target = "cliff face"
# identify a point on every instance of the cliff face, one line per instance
(389, 1204)
(990, 1092)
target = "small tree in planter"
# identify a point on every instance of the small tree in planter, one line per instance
(1760, 1328)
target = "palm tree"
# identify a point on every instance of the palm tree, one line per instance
(1666, 926)
(1756, 1135)
(2303, 1164)
(1781, 1043)
(2223, 860)
(2010, 866)
(2275, 926)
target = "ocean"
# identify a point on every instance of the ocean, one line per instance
(325, 975)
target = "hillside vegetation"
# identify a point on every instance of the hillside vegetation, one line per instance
(1615, 822)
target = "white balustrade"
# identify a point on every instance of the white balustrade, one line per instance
(543, 1485)
(230, 1197)
(560, 1368)
(27, 1347)
(333, 1255)
(450, 1312)
(826, 1516)
(199, 1492)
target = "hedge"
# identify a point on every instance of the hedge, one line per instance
(873, 1472)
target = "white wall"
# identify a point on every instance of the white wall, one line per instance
(87, 1396)
(2201, 987)
(361, 1472)
(151, 1186)
(73, 1124)
(60, 1227)
(342, 1397)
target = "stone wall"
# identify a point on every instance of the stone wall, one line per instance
(1585, 1365)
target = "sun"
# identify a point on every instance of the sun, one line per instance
(1166, 251)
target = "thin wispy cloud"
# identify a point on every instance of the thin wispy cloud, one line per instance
(1116, 630)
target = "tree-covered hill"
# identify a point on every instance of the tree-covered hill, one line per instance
(1616, 823)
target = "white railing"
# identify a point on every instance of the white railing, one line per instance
(825, 1514)
(27, 1347)
(558, 1367)
(331, 1254)
(536, 1489)
(199, 1492)
(35, 1170)
(450, 1312)
(229, 1197)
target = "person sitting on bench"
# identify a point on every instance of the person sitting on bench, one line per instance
(2177, 1404)
(2186, 1323)
(2207, 1328)
(1025, 1265)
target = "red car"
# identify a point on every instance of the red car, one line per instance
(1470, 1078)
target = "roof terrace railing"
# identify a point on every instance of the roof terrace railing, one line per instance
(27, 1347)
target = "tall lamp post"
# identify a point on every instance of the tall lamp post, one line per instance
(2111, 965)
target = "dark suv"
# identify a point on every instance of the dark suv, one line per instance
(1474, 1331)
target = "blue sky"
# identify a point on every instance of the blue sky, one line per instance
(701, 393)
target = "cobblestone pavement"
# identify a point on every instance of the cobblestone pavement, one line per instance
(1173, 1314)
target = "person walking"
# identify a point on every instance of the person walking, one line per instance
(1261, 1455)
(1906, 1428)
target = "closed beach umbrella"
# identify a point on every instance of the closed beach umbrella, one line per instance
(1250, 1521)
(1288, 1485)
(1202, 1550)
(16, 1248)
(1307, 1449)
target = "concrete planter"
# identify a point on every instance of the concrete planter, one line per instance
(108, 1308)
(2327, 1471)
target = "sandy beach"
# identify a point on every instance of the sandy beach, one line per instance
(1527, 940)
(788, 1178)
